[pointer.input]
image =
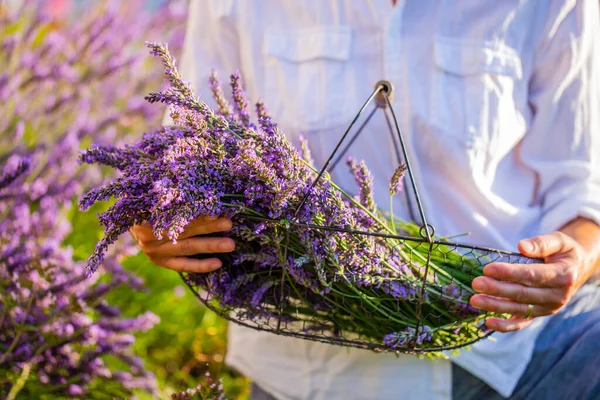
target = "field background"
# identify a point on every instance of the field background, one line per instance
(189, 340)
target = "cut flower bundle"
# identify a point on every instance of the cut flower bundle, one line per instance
(301, 266)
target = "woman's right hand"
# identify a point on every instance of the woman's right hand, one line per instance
(176, 256)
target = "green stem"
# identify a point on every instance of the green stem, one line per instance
(20, 383)
(387, 228)
(392, 214)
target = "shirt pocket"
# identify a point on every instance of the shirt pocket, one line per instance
(475, 96)
(304, 74)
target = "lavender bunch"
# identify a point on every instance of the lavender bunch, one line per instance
(331, 281)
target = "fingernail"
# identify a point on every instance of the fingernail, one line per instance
(479, 285)
(527, 246)
(215, 264)
(490, 270)
(224, 225)
(226, 246)
(491, 324)
(475, 303)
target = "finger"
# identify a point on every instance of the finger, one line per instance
(133, 234)
(546, 245)
(144, 233)
(194, 245)
(512, 324)
(517, 292)
(505, 306)
(184, 264)
(538, 275)
(202, 220)
(197, 229)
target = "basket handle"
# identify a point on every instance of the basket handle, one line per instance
(382, 94)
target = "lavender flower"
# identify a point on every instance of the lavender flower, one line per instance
(11, 173)
(261, 110)
(457, 301)
(239, 99)
(224, 108)
(208, 390)
(396, 182)
(398, 340)
(364, 180)
(305, 151)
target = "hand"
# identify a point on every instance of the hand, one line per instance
(510, 288)
(175, 256)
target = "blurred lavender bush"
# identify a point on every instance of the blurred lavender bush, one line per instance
(56, 329)
(64, 83)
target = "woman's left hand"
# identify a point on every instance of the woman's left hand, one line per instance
(511, 288)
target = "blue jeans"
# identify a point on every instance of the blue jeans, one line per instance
(565, 364)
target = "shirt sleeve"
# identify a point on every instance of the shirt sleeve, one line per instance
(211, 43)
(563, 143)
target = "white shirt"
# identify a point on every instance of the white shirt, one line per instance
(498, 102)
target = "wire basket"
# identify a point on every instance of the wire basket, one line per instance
(446, 308)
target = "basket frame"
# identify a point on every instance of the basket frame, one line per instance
(382, 95)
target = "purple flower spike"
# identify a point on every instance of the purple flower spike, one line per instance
(261, 110)
(305, 150)
(12, 172)
(224, 108)
(396, 183)
(239, 99)
(364, 180)
(401, 339)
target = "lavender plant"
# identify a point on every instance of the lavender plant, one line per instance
(56, 331)
(314, 280)
(208, 390)
(77, 77)
(63, 84)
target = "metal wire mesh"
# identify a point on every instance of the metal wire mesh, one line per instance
(431, 297)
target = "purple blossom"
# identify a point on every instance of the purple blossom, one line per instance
(261, 110)
(75, 390)
(398, 340)
(399, 289)
(396, 182)
(208, 390)
(239, 99)
(305, 150)
(110, 155)
(457, 301)
(364, 180)
(224, 108)
(15, 167)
